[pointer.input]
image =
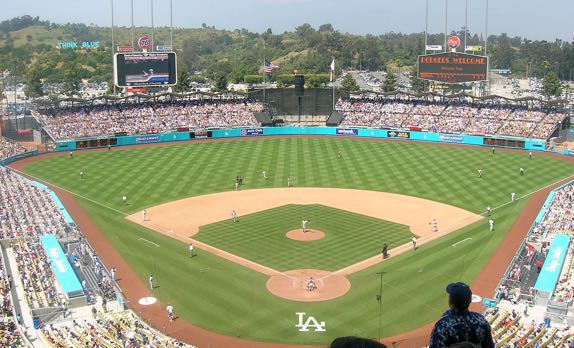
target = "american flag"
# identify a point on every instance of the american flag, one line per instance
(268, 67)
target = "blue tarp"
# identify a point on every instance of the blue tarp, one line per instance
(550, 272)
(61, 266)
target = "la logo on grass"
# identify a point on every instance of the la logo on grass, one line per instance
(310, 322)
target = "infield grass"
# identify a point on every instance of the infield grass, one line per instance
(221, 296)
(349, 238)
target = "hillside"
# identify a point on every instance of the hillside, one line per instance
(28, 48)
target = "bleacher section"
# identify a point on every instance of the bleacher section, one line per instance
(476, 119)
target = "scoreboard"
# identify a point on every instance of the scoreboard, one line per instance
(452, 67)
(145, 69)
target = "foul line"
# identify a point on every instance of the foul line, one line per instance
(145, 240)
(530, 194)
(462, 241)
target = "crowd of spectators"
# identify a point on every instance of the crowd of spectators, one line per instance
(35, 273)
(559, 217)
(450, 118)
(144, 118)
(120, 329)
(10, 148)
(9, 333)
(27, 210)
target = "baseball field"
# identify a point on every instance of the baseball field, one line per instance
(224, 288)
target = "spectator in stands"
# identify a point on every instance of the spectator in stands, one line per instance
(458, 324)
(355, 342)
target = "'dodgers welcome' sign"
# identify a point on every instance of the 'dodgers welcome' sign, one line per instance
(452, 67)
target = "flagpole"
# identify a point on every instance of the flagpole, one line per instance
(264, 80)
(333, 83)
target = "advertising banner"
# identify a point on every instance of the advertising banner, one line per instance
(553, 264)
(451, 138)
(61, 266)
(434, 47)
(249, 132)
(399, 134)
(347, 131)
(148, 139)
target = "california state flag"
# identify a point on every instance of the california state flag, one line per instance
(332, 69)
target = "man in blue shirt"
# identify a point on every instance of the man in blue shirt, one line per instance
(458, 324)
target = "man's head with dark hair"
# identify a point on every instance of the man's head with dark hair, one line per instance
(355, 342)
(459, 296)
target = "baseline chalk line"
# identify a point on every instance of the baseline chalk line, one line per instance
(145, 240)
(462, 241)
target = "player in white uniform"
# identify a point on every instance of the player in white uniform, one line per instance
(81, 174)
(488, 211)
(480, 173)
(521, 171)
(513, 196)
(304, 224)
(233, 216)
(264, 174)
(151, 282)
(169, 310)
(491, 224)
(190, 250)
(311, 284)
(530, 155)
(124, 199)
(414, 240)
(144, 215)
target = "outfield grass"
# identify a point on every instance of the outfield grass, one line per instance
(231, 299)
(260, 237)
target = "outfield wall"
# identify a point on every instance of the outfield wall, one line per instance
(123, 140)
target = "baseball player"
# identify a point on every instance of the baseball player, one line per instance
(190, 250)
(304, 224)
(434, 225)
(385, 251)
(530, 155)
(414, 240)
(124, 200)
(236, 185)
(521, 171)
(71, 155)
(488, 211)
(480, 173)
(339, 154)
(233, 216)
(311, 284)
(491, 224)
(169, 310)
(513, 196)
(151, 282)
(113, 273)
(264, 174)
(144, 215)
(493, 150)
(289, 182)
(81, 174)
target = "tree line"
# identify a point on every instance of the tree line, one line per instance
(237, 55)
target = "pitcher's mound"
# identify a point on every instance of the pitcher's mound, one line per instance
(305, 237)
(292, 285)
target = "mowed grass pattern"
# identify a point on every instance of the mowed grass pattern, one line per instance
(350, 237)
(153, 175)
(218, 295)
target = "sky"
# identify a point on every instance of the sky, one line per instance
(533, 19)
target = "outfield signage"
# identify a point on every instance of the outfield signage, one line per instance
(347, 131)
(434, 47)
(249, 132)
(163, 48)
(125, 48)
(452, 67)
(148, 139)
(475, 48)
(553, 264)
(84, 44)
(398, 134)
(451, 138)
